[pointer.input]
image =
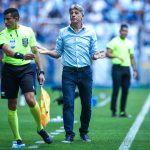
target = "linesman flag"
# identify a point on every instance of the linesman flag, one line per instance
(45, 107)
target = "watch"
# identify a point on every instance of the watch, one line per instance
(41, 72)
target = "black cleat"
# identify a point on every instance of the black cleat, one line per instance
(47, 138)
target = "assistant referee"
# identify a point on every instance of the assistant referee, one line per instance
(18, 41)
(120, 50)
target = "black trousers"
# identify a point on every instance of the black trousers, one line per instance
(121, 78)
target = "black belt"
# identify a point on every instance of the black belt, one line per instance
(75, 69)
(119, 66)
(11, 65)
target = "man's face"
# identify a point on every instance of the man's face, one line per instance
(124, 32)
(10, 22)
(75, 16)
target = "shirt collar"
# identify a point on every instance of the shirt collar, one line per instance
(82, 28)
(9, 30)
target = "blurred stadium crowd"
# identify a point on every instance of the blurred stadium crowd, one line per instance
(46, 17)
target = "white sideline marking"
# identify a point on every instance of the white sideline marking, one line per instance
(39, 142)
(33, 147)
(103, 103)
(54, 133)
(135, 127)
(60, 130)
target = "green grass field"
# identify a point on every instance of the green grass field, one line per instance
(106, 133)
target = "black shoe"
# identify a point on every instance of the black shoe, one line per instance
(85, 138)
(68, 139)
(18, 144)
(114, 115)
(124, 115)
(48, 139)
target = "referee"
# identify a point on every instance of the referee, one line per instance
(120, 50)
(17, 41)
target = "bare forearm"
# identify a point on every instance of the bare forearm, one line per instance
(133, 63)
(7, 50)
(53, 54)
(37, 59)
(133, 66)
(110, 55)
(38, 62)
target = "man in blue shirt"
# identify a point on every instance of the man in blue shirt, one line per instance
(77, 46)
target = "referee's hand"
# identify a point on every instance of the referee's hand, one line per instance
(41, 79)
(29, 56)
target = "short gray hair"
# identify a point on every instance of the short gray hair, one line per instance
(77, 7)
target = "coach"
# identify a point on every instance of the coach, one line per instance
(77, 46)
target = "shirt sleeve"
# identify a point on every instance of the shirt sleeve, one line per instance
(111, 44)
(59, 44)
(131, 49)
(3, 40)
(93, 44)
(32, 39)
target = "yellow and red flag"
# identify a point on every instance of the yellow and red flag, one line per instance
(45, 107)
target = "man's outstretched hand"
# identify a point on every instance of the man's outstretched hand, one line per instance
(42, 50)
(52, 53)
(99, 55)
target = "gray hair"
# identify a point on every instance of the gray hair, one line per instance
(77, 7)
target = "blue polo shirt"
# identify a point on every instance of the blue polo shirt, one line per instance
(76, 48)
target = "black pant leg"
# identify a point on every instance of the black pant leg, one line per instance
(116, 77)
(125, 83)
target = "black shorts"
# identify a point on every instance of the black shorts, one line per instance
(14, 77)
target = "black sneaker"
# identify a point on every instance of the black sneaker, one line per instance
(48, 139)
(124, 115)
(85, 138)
(114, 115)
(18, 144)
(68, 139)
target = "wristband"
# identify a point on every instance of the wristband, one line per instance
(41, 72)
(18, 55)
